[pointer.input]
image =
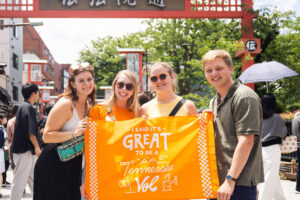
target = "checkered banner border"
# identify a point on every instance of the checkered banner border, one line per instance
(203, 158)
(93, 165)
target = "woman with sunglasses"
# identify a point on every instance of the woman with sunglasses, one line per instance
(121, 105)
(54, 179)
(163, 81)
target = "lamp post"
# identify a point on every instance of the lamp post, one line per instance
(147, 72)
(2, 26)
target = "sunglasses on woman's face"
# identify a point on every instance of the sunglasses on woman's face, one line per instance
(161, 77)
(128, 86)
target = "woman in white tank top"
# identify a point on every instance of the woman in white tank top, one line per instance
(54, 179)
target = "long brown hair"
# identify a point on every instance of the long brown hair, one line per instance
(70, 92)
(132, 102)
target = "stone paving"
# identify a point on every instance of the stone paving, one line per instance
(289, 188)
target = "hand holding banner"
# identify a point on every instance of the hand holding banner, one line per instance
(160, 158)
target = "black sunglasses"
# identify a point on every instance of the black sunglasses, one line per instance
(128, 86)
(161, 77)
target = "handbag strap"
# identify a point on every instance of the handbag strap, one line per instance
(177, 107)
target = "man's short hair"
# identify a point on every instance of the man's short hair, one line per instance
(218, 53)
(142, 98)
(28, 89)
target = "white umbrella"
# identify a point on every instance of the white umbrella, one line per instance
(266, 72)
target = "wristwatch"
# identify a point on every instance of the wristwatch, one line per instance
(229, 177)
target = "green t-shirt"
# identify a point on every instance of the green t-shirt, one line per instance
(239, 113)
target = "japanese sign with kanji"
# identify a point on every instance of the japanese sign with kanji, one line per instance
(111, 4)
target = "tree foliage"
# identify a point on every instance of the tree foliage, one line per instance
(280, 41)
(102, 54)
(183, 42)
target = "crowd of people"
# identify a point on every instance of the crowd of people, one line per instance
(247, 130)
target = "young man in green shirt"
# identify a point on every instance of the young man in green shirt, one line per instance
(237, 124)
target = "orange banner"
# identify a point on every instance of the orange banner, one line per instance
(160, 158)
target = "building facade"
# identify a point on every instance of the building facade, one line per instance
(52, 71)
(11, 54)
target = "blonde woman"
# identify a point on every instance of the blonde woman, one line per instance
(54, 179)
(121, 105)
(123, 101)
(163, 81)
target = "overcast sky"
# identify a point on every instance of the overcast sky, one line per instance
(66, 37)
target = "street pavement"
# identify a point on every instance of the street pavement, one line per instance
(288, 186)
(6, 190)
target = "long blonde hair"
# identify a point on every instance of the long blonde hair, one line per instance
(132, 102)
(170, 71)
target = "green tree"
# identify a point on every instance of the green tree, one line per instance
(280, 41)
(183, 42)
(102, 54)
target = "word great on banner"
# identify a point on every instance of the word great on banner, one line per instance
(112, 4)
(165, 158)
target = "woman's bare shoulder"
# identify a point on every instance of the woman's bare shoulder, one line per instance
(191, 107)
(63, 105)
(64, 102)
(146, 105)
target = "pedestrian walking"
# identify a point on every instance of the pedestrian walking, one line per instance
(237, 125)
(11, 125)
(54, 179)
(273, 130)
(10, 132)
(2, 140)
(296, 131)
(25, 147)
(6, 157)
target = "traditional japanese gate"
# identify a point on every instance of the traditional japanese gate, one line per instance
(142, 9)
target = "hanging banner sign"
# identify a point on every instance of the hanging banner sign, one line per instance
(133, 64)
(112, 5)
(161, 158)
(35, 73)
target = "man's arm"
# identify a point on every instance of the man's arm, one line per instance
(30, 119)
(35, 143)
(241, 154)
(239, 160)
(9, 132)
